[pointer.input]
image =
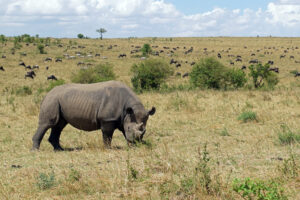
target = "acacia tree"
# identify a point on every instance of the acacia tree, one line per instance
(101, 31)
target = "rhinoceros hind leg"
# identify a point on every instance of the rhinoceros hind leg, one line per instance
(55, 134)
(38, 136)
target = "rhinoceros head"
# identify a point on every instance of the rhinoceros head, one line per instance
(135, 123)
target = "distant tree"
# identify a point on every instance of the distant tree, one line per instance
(101, 31)
(80, 36)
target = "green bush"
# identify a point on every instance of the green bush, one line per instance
(41, 48)
(150, 74)
(249, 189)
(286, 136)
(262, 76)
(146, 49)
(209, 73)
(247, 116)
(99, 73)
(53, 84)
(45, 181)
(236, 78)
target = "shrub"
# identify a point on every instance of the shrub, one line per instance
(287, 136)
(45, 181)
(41, 48)
(53, 84)
(23, 91)
(208, 73)
(99, 73)
(74, 175)
(80, 36)
(247, 116)
(259, 190)
(146, 49)
(262, 76)
(236, 78)
(150, 74)
(211, 74)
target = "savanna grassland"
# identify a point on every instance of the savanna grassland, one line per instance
(196, 146)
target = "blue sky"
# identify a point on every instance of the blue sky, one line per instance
(150, 18)
(196, 6)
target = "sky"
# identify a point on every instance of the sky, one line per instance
(150, 18)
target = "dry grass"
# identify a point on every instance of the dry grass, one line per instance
(183, 123)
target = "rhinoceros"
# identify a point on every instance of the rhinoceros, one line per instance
(107, 106)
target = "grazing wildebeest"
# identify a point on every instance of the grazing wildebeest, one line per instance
(238, 60)
(107, 106)
(2, 68)
(122, 55)
(192, 63)
(243, 67)
(254, 61)
(51, 77)
(47, 67)
(231, 62)
(219, 55)
(28, 67)
(35, 67)
(22, 64)
(58, 60)
(253, 54)
(178, 74)
(48, 59)
(30, 74)
(97, 55)
(185, 75)
(3, 56)
(172, 61)
(297, 74)
(282, 56)
(271, 62)
(275, 69)
(292, 57)
(178, 65)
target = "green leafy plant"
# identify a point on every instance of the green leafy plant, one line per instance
(146, 49)
(45, 181)
(249, 189)
(74, 175)
(209, 73)
(41, 48)
(262, 76)
(99, 73)
(247, 116)
(286, 136)
(150, 74)
(80, 36)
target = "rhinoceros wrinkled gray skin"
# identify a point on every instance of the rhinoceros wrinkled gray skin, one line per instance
(107, 106)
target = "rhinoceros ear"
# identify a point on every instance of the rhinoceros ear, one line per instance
(129, 111)
(152, 111)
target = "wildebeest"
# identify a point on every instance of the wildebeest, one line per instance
(58, 60)
(282, 56)
(3, 56)
(51, 77)
(178, 65)
(2, 68)
(271, 62)
(254, 61)
(47, 67)
(219, 55)
(297, 74)
(22, 64)
(185, 75)
(238, 60)
(35, 67)
(30, 74)
(107, 106)
(48, 59)
(122, 55)
(172, 61)
(243, 67)
(97, 55)
(274, 69)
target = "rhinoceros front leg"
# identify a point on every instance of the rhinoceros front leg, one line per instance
(55, 134)
(107, 133)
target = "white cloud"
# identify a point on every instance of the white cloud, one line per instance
(66, 18)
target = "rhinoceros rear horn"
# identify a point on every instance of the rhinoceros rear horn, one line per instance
(152, 111)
